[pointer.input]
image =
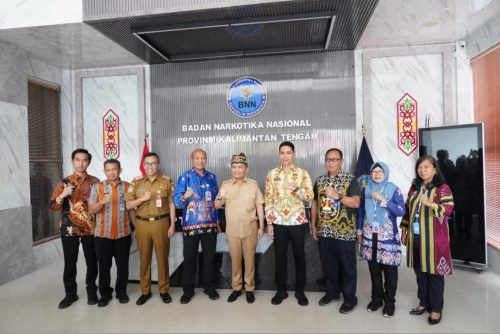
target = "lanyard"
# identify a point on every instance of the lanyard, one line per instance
(375, 204)
(417, 214)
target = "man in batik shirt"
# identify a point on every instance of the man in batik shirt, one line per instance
(333, 221)
(196, 191)
(77, 225)
(287, 187)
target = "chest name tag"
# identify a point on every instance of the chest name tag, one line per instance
(416, 228)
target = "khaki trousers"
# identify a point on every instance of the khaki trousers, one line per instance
(149, 235)
(242, 248)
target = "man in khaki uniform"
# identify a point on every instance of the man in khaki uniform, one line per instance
(243, 200)
(152, 198)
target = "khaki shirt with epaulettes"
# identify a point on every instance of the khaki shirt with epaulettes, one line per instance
(242, 199)
(160, 188)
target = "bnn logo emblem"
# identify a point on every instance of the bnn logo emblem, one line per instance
(246, 97)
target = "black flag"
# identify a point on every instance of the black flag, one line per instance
(365, 161)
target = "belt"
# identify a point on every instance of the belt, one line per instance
(152, 219)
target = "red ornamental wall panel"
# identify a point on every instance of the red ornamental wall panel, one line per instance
(111, 135)
(407, 109)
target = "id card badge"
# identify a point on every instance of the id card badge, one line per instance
(158, 200)
(416, 228)
(208, 195)
(376, 227)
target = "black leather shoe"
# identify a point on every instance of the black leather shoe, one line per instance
(143, 299)
(92, 299)
(67, 301)
(278, 297)
(346, 308)
(166, 298)
(301, 298)
(186, 297)
(373, 306)
(326, 299)
(212, 294)
(388, 311)
(250, 297)
(233, 296)
(123, 299)
(418, 310)
(432, 321)
(104, 301)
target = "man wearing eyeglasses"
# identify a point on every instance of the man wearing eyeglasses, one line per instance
(333, 223)
(152, 198)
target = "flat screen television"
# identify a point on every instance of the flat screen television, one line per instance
(459, 151)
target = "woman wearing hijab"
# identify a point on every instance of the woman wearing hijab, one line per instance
(381, 203)
(424, 231)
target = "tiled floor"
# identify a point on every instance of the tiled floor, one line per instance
(29, 305)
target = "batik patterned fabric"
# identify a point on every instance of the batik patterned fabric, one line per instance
(283, 206)
(199, 214)
(389, 242)
(335, 220)
(112, 221)
(75, 220)
(435, 255)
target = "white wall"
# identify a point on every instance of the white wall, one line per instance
(32, 13)
(118, 93)
(123, 91)
(428, 74)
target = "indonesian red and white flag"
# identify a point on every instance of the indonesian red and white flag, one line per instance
(145, 151)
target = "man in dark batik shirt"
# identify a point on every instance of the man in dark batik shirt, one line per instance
(77, 225)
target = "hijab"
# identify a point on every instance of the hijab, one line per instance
(386, 188)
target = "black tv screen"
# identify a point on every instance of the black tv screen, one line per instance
(459, 151)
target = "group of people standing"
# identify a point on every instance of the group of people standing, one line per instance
(103, 215)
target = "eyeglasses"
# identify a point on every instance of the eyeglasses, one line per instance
(333, 160)
(377, 172)
(150, 164)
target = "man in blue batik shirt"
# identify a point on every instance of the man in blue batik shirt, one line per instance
(195, 191)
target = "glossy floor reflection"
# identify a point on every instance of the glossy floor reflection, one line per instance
(29, 305)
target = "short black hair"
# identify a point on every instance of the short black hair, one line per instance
(81, 150)
(152, 154)
(112, 161)
(437, 180)
(287, 143)
(335, 149)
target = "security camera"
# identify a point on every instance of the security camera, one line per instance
(461, 44)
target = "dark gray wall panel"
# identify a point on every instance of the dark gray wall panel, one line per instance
(316, 87)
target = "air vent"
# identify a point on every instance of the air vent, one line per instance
(266, 35)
